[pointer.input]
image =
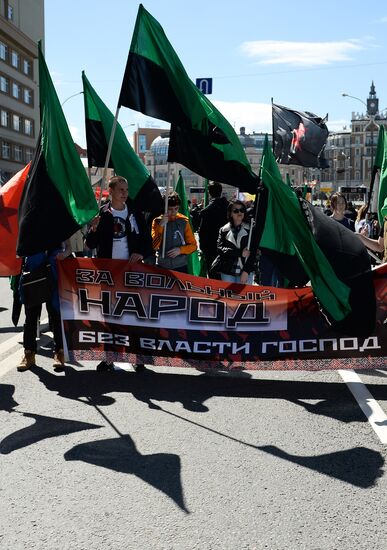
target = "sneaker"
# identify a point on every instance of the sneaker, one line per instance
(139, 368)
(28, 361)
(104, 366)
(58, 363)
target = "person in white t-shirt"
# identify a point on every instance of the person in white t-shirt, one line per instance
(119, 232)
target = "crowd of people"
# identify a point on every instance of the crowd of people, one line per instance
(224, 232)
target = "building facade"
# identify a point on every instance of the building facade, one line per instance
(351, 152)
(21, 27)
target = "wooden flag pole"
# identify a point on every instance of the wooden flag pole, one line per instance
(109, 150)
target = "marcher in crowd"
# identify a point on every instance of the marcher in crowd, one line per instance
(212, 218)
(236, 262)
(339, 206)
(119, 232)
(179, 238)
(32, 312)
(350, 212)
(361, 218)
(377, 245)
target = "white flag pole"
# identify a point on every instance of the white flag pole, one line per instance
(109, 150)
(250, 233)
(165, 213)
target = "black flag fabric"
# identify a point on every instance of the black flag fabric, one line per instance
(143, 191)
(57, 198)
(299, 137)
(156, 84)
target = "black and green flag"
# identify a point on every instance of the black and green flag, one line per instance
(99, 123)
(156, 83)
(57, 198)
(381, 164)
(332, 257)
(286, 231)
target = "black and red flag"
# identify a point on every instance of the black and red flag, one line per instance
(299, 137)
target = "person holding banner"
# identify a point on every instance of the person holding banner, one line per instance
(119, 233)
(237, 247)
(33, 310)
(179, 238)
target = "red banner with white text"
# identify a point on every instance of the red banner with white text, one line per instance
(143, 314)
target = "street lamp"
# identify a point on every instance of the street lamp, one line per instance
(67, 98)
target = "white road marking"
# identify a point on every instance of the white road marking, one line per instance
(10, 362)
(370, 407)
(14, 341)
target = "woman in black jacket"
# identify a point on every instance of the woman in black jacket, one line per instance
(236, 262)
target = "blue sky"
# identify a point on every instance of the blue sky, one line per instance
(301, 54)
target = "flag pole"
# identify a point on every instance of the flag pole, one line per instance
(372, 184)
(272, 125)
(108, 153)
(165, 213)
(250, 233)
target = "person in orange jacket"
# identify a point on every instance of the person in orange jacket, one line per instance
(179, 238)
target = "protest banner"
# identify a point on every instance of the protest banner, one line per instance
(140, 313)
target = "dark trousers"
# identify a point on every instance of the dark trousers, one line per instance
(31, 326)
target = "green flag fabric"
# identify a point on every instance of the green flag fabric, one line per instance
(99, 122)
(156, 83)
(381, 164)
(286, 231)
(57, 199)
(193, 260)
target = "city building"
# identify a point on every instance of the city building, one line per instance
(21, 27)
(351, 152)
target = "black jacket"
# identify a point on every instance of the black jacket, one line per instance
(229, 251)
(213, 217)
(102, 238)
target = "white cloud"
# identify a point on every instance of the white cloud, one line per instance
(339, 125)
(272, 52)
(383, 19)
(253, 116)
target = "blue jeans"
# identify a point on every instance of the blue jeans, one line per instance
(237, 278)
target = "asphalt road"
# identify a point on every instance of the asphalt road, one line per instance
(182, 459)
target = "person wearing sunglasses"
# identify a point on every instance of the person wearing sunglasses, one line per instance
(235, 261)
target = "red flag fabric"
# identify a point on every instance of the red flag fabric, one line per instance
(10, 195)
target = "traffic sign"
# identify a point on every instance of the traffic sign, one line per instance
(204, 85)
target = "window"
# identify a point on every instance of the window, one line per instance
(4, 118)
(28, 127)
(3, 51)
(18, 153)
(27, 66)
(16, 90)
(10, 12)
(5, 150)
(29, 154)
(16, 123)
(27, 96)
(15, 59)
(4, 84)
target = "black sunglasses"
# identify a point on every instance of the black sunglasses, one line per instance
(238, 210)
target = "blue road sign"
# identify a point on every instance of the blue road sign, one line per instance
(204, 85)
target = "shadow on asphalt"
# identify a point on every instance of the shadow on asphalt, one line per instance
(161, 470)
(43, 428)
(12, 329)
(359, 466)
